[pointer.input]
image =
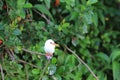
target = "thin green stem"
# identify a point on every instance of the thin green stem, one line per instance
(41, 75)
(2, 74)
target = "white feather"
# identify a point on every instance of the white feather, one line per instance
(48, 47)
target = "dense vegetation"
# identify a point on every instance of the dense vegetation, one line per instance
(89, 29)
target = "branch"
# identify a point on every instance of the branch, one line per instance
(7, 10)
(33, 52)
(42, 15)
(2, 74)
(81, 61)
(1, 45)
(44, 70)
(22, 61)
(10, 53)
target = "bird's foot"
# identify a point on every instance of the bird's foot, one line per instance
(48, 56)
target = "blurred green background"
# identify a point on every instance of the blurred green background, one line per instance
(90, 28)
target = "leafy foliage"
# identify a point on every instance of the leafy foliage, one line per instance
(88, 27)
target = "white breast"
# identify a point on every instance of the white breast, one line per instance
(49, 49)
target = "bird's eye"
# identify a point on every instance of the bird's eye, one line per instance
(50, 42)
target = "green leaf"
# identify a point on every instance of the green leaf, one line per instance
(116, 70)
(61, 69)
(28, 5)
(115, 54)
(20, 3)
(89, 2)
(85, 29)
(70, 59)
(45, 78)
(9, 43)
(103, 57)
(35, 71)
(95, 19)
(16, 32)
(1, 27)
(74, 41)
(41, 24)
(43, 9)
(1, 38)
(19, 66)
(101, 75)
(51, 69)
(63, 26)
(47, 2)
(88, 18)
(102, 18)
(1, 4)
(54, 60)
(58, 77)
(90, 77)
(78, 75)
(70, 2)
(74, 15)
(21, 13)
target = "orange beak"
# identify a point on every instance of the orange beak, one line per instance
(57, 45)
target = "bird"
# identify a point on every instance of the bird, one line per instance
(49, 48)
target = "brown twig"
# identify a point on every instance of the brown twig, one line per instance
(42, 15)
(1, 45)
(22, 61)
(81, 61)
(10, 53)
(7, 9)
(33, 52)
(2, 74)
